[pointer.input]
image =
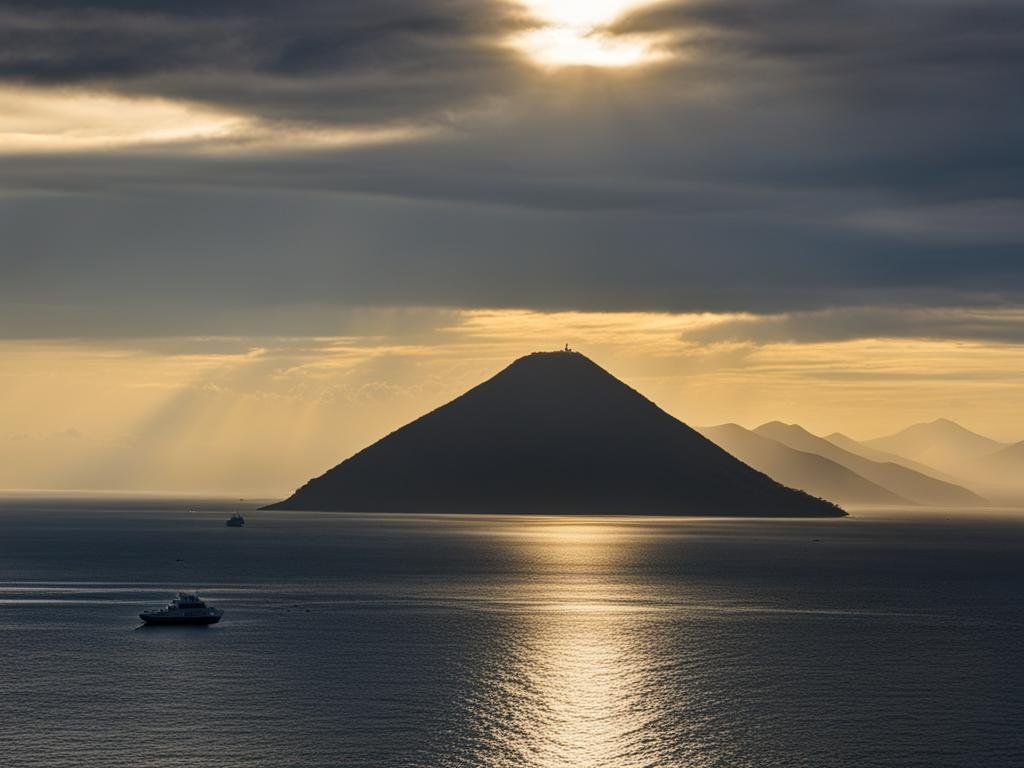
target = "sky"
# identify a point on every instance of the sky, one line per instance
(241, 240)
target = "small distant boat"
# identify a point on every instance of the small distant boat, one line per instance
(186, 608)
(235, 521)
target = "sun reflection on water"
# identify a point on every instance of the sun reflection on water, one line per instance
(570, 683)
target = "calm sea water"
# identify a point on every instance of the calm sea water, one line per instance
(888, 639)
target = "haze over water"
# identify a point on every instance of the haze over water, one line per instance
(890, 638)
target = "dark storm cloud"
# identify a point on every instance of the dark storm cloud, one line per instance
(190, 262)
(791, 157)
(913, 97)
(307, 60)
(866, 34)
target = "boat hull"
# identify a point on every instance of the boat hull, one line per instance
(154, 620)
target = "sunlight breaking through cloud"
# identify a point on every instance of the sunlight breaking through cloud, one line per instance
(572, 34)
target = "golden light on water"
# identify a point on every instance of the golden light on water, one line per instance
(588, 677)
(572, 34)
(574, 667)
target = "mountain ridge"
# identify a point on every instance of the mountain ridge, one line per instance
(808, 471)
(941, 443)
(897, 478)
(847, 443)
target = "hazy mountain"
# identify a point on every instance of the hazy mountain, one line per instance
(896, 478)
(859, 448)
(551, 433)
(942, 443)
(1000, 472)
(798, 469)
(1009, 459)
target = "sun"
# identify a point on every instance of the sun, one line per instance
(572, 34)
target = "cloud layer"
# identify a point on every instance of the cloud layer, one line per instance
(784, 158)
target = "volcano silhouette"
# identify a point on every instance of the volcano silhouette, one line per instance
(553, 433)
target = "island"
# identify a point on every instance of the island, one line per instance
(553, 433)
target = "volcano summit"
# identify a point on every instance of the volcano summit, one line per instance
(553, 433)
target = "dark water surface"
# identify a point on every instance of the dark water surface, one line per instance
(888, 639)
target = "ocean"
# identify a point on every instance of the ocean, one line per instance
(891, 638)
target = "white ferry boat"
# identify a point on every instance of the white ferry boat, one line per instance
(186, 608)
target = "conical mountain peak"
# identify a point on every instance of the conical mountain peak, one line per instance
(551, 433)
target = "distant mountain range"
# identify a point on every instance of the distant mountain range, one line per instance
(866, 451)
(904, 482)
(994, 468)
(1003, 465)
(805, 470)
(942, 444)
(551, 433)
(794, 456)
(963, 468)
